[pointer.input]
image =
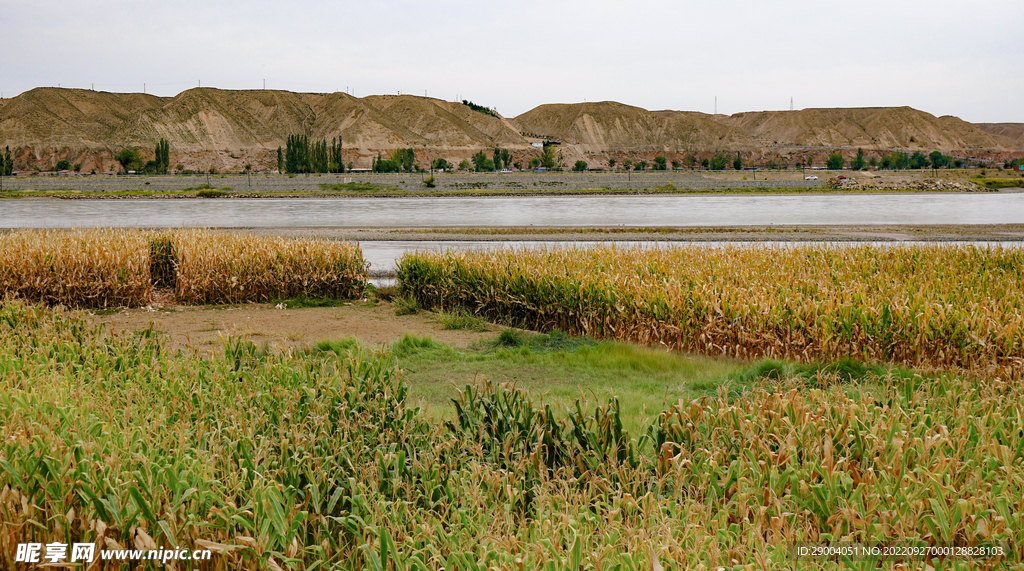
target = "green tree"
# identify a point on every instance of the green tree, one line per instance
(675, 165)
(835, 162)
(506, 157)
(896, 160)
(718, 162)
(319, 158)
(918, 160)
(549, 157)
(441, 165)
(63, 165)
(873, 162)
(705, 163)
(481, 163)
(7, 163)
(938, 160)
(464, 165)
(497, 159)
(611, 164)
(737, 163)
(640, 165)
(690, 161)
(130, 160)
(297, 154)
(858, 162)
(336, 163)
(280, 160)
(385, 165)
(627, 164)
(580, 166)
(660, 163)
(405, 159)
(534, 163)
(163, 156)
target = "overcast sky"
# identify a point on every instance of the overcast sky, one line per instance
(946, 57)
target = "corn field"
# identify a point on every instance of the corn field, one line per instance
(231, 268)
(937, 308)
(114, 268)
(316, 461)
(81, 268)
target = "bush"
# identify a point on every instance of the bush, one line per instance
(210, 193)
(580, 166)
(63, 165)
(461, 320)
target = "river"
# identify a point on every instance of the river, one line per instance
(574, 211)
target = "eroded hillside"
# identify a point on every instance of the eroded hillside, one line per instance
(213, 128)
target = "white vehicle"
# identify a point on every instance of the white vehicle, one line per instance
(812, 177)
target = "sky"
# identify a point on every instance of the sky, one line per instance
(945, 57)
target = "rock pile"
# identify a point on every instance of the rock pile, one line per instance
(837, 183)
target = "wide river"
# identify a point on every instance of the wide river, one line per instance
(598, 211)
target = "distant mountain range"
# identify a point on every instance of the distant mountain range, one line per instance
(225, 129)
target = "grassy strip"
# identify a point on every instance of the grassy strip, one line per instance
(319, 461)
(933, 307)
(997, 183)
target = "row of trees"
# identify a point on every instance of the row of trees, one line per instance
(299, 156)
(896, 160)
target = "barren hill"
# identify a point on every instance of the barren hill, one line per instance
(1012, 131)
(869, 128)
(222, 129)
(613, 127)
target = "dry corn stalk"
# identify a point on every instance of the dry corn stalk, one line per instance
(933, 307)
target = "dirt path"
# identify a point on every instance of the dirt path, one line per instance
(201, 328)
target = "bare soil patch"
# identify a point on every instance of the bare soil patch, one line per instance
(201, 328)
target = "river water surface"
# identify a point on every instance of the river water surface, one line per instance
(578, 211)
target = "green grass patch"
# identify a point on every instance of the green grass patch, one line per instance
(406, 305)
(462, 320)
(341, 347)
(558, 369)
(997, 183)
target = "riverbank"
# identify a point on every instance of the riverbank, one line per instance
(481, 184)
